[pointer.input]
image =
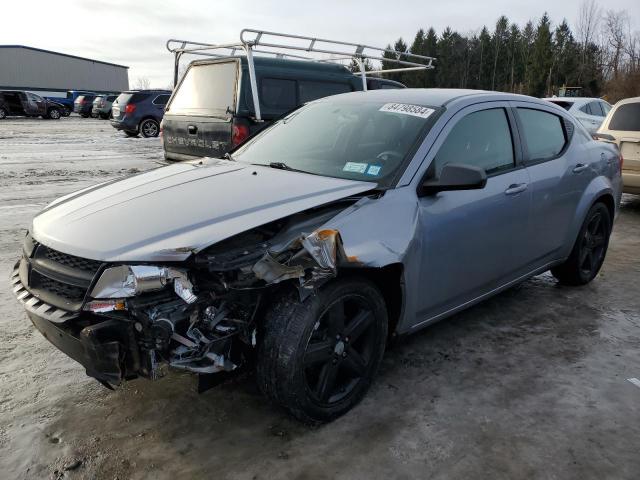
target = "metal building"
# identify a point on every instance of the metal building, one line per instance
(52, 73)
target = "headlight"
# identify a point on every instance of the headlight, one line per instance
(129, 280)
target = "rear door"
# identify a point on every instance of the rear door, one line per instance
(198, 118)
(559, 158)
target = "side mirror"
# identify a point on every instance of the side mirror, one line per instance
(455, 177)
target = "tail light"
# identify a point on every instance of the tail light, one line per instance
(239, 133)
(130, 108)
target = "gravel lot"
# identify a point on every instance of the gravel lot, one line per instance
(530, 384)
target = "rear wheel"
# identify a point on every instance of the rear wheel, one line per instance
(319, 356)
(149, 128)
(130, 134)
(3, 113)
(590, 249)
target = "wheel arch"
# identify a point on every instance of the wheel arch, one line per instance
(389, 279)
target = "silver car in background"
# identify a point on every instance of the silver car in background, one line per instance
(352, 219)
(590, 112)
(102, 106)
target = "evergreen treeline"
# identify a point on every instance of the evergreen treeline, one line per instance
(534, 59)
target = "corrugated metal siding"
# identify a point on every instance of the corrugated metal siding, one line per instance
(24, 68)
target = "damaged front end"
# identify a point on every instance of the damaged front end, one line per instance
(201, 315)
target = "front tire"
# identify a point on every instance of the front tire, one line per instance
(318, 357)
(590, 248)
(149, 128)
(54, 114)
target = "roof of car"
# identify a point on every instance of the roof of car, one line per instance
(151, 90)
(572, 99)
(628, 100)
(435, 97)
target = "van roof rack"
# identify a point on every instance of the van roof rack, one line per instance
(263, 42)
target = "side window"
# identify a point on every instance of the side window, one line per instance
(482, 139)
(278, 93)
(626, 118)
(596, 109)
(606, 108)
(585, 109)
(310, 90)
(543, 133)
(161, 100)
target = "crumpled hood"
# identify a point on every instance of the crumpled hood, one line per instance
(169, 213)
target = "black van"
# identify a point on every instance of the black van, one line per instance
(211, 110)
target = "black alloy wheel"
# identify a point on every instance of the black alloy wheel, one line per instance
(589, 250)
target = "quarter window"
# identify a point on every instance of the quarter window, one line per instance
(314, 90)
(481, 139)
(626, 118)
(543, 133)
(161, 99)
(278, 93)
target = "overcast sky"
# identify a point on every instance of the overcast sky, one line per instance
(134, 32)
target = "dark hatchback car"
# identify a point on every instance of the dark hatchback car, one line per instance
(212, 112)
(139, 112)
(27, 104)
(83, 105)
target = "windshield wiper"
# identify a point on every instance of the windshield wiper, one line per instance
(284, 166)
(228, 156)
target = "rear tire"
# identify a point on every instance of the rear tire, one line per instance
(318, 357)
(590, 249)
(149, 128)
(130, 134)
(3, 113)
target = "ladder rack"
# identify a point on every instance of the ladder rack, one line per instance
(264, 42)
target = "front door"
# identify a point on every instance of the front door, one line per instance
(472, 239)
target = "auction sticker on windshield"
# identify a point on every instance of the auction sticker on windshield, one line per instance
(415, 110)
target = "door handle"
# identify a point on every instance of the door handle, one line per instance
(580, 167)
(192, 129)
(515, 188)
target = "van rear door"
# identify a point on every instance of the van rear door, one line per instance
(199, 116)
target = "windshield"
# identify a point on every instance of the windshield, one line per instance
(353, 140)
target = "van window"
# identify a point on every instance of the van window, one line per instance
(207, 89)
(543, 133)
(278, 93)
(626, 118)
(481, 139)
(310, 90)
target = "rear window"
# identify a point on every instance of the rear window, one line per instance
(310, 90)
(136, 97)
(565, 105)
(208, 89)
(111, 98)
(626, 118)
(543, 133)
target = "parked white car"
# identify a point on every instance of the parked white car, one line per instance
(622, 127)
(589, 111)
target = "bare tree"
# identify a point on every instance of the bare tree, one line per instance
(615, 30)
(587, 27)
(142, 83)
